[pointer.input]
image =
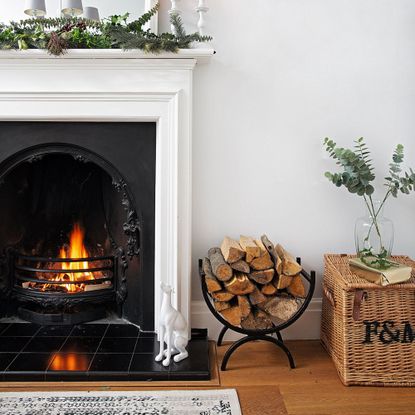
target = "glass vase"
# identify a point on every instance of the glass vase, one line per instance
(374, 234)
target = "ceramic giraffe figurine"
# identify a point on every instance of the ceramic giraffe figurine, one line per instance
(172, 330)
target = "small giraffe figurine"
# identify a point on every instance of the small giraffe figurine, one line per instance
(172, 330)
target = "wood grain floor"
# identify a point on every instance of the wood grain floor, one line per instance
(313, 388)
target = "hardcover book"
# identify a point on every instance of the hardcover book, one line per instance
(396, 274)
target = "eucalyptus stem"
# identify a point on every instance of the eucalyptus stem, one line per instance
(357, 176)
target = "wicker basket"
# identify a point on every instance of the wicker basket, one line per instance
(360, 324)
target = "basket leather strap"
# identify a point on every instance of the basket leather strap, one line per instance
(359, 297)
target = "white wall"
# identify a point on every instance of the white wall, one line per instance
(286, 74)
(14, 9)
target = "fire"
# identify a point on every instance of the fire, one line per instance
(75, 250)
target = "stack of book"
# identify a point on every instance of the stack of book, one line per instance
(395, 274)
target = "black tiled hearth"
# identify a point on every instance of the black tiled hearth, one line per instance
(93, 352)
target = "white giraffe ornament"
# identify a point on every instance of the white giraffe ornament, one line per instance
(172, 330)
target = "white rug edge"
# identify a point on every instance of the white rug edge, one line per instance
(232, 394)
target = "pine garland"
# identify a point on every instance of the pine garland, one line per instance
(57, 35)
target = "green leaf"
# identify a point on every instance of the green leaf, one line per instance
(369, 190)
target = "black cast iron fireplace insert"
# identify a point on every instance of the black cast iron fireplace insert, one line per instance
(77, 211)
(77, 224)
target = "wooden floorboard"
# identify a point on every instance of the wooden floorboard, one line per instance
(313, 388)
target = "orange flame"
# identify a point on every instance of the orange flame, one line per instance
(76, 250)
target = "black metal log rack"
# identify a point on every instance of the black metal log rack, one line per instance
(264, 335)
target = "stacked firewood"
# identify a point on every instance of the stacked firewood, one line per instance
(253, 283)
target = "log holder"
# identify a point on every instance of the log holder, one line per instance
(252, 335)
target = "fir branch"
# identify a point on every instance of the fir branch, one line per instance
(59, 34)
(137, 25)
(177, 23)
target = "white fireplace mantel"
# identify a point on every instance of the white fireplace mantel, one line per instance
(112, 85)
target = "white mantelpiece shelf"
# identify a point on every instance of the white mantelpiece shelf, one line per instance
(200, 55)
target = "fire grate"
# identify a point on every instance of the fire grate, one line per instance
(54, 276)
(63, 290)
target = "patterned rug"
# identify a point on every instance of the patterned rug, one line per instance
(178, 402)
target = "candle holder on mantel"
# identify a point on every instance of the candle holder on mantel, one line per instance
(252, 335)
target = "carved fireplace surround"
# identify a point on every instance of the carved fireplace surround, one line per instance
(117, 86)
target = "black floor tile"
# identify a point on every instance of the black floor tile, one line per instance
(111, 363)
(81, 345)
(21, 329)
(3, 326)
(36, 362)
(75, 357)
(70, 362)
(113, 345)
(199, 333)
(145, 334)
(55, 331)
(122, 330)
(147, 345)
(13, 344)
(145, 363)
(44, 344)
(197, 361)
(89, 330)
(25, 376)
(6, 359)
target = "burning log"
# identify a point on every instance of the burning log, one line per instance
(95, 287)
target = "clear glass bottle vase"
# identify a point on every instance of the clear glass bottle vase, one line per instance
(374, 233)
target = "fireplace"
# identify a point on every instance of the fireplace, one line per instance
(123, 119)
(77, 242)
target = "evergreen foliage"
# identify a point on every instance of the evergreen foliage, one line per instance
(57, 35)
(357, 175)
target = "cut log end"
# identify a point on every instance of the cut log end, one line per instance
(250, 247)
(262, 277)
(256, 297)
(297, 288)
(281, 308)
(232, 315)
(290, 266)
(241, 266)
(221, 305)
(212, 283)
(220, 268)
(244, 305)
(222, 296)
(231, 250)
(239, 285)
(258, 320)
